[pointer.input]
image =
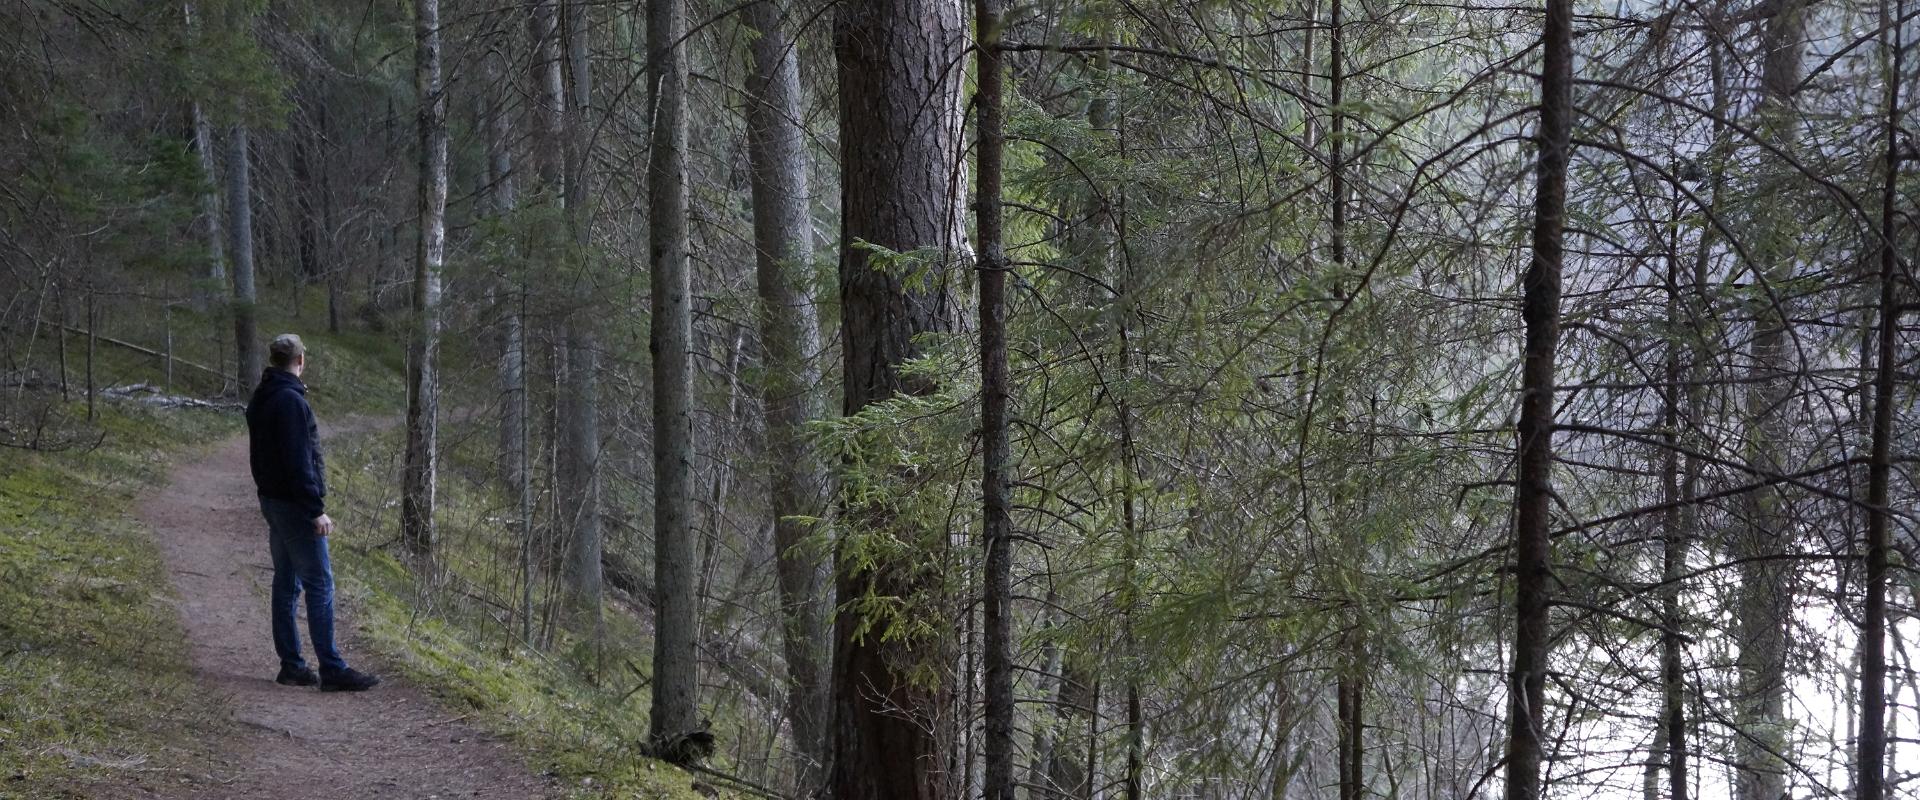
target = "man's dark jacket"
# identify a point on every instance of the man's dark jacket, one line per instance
(284, 443)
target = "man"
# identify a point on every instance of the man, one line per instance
(290, 476)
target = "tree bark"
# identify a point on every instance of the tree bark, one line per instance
(503, 198)
(209, 196)
(899, 143)
(1873, 624)
(996, 515)
(246, 330)
(675, 661)
(790, 343)
(580, 402)
(422, 455)
(1540, 310)
(1350, 691)
(1673, 709)
(1765, 593)
(1067, 767)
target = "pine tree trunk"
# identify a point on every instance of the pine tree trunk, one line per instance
(1672, 734)
(996, 457)
(1540, 310)
(328, 243)
(580, 403)
(1765, 593)
(503, 198)
(306, 206)
(1349, 691)
(790, 342)
(1067, 773)
(1872, 737)
(246, 333)
(209, 196)
(899, 138)
(675, 661)
(419, 476)
(546, 112)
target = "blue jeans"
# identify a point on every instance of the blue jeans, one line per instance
(300, 563)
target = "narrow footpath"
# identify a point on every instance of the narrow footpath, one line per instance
(392, 742)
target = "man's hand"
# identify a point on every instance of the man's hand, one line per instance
(323, 525)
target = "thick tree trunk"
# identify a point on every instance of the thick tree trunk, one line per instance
(580, 403)
(899, 142)
(419, 476)
(246, 332)
(1765, 594)
(1540, 310)
(675, 661)
(790, 343)
(1873, 624)
(996, 456)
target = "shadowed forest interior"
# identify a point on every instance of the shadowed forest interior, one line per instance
(1016, 399)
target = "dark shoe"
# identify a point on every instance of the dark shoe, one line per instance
(348, 680)
(290, 676)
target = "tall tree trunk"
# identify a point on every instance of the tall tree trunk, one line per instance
(580, 445)
(1350, 692)
(209, 196)
(1765, 593)
(306, 203)
(996, 514)
(1540, 310)
(899, 142)
(503, 198)
(246, 332)
(1672, 735)
(1873, 624)
(417, 497)
(323, 138)
(675, 662)
(790, 343)
(546, 247)
(1133, 778)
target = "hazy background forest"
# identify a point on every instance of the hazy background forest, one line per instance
(1055, 399)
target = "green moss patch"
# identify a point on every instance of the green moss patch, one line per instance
(96, 685)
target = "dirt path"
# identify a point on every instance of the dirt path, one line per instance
(391, 742)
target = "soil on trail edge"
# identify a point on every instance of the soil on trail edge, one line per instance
(391, 742)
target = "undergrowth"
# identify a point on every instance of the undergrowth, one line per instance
(457, 633)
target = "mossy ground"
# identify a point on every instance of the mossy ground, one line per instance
(95, 682)
(457, 631)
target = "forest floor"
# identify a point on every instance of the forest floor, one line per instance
(394, 741)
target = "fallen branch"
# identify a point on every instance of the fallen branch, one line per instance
(147, 394)
(138, 349)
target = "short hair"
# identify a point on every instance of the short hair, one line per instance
(285, 349)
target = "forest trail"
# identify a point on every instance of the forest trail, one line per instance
(392, 742)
